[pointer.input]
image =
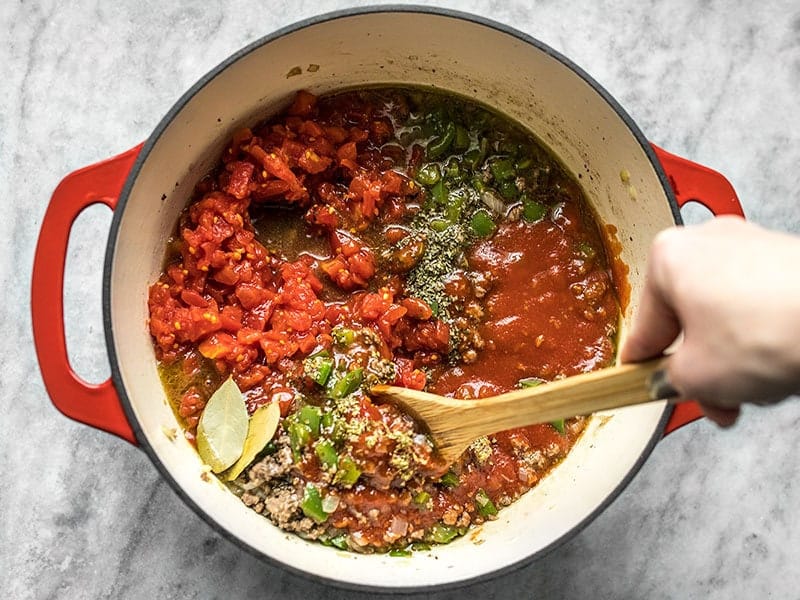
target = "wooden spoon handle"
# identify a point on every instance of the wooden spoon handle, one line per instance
(579, 395)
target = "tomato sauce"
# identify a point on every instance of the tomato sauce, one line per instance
(549, 315)
(382, 236)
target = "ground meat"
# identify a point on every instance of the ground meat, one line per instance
(274, 465)
(283, 507)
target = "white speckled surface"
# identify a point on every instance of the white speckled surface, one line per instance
(713, 514)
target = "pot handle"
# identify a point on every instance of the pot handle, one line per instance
(97, 405)
(692, 182)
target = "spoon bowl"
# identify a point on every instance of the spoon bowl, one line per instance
(454, 424)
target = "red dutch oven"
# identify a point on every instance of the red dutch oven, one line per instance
(635, 188)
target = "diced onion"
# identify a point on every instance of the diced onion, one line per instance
(398, 527)
(493, 201)
(330, 503)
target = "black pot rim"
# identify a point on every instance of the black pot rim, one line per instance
(114, 231)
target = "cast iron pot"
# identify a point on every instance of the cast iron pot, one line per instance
(635, 188)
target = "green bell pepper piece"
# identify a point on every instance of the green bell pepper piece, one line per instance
(508, 189)
(533, 211)
(449, 479)
(484, 504)
(326, 453)
(347, 472)
(327, 420)
(439, 193)
(310, 417)
(347, 384)
(343, 336)
(439, 224)
(422, 499)
(502, 169)
(428, 174)
(442, 534)
(299, 436)
(481, 223)
(461, 141)
(439, 146)
(420, 546)
(312, 504)
(529, 382)
(318, 368)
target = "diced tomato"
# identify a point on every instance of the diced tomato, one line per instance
(311, 129)
(218, 345)
(240, 136)
(311, 162)
(323, 216)
(392, 182)
(239, 182)
(252, 377)
(277, 167)
(176, 274)
(292, 320)
(248, 336)
(191, 406)
(415, 380)
(292, 150)
(336, 134)
(358, 135)
(306, 343)
(368, 409)
(347, 151)
(354, 263)
(192, 298)
(226, 275)
(231, 318)
(251, 295)
(303, 104)
(407, 375)
(428, 335)
(417, 309)
(381, 131)
(370, 306)
(270, 188)
(388, 320)
(323, 147)
(349, 164)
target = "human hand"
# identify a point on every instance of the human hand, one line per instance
(733, 289)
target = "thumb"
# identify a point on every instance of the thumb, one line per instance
(655, 325)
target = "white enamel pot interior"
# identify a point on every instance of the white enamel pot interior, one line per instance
(500, 67)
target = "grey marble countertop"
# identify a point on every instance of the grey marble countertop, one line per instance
(713, 514)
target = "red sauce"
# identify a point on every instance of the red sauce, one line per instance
(549, 315)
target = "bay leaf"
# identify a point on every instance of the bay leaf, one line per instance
(262, 428)
(222, 429)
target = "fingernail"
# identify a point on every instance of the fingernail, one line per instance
(660, 387)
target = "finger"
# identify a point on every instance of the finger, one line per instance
(655, 326)
(724, 417)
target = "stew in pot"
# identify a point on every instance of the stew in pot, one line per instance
(387, 235)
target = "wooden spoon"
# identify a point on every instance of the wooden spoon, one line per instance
(454, 424)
